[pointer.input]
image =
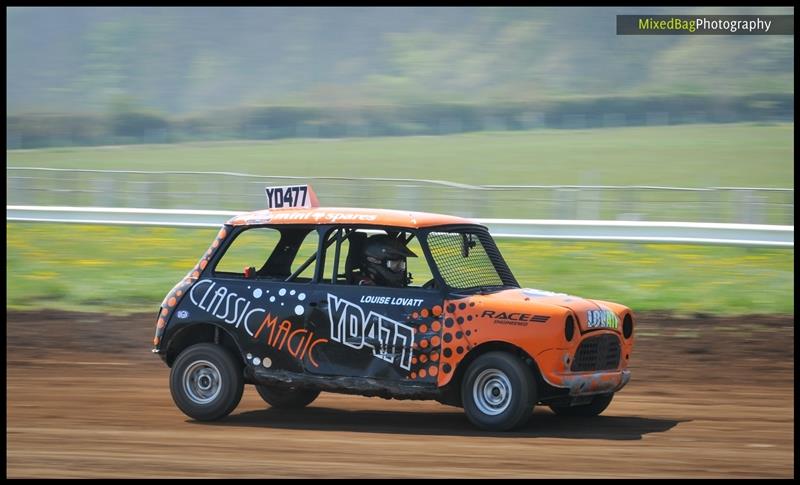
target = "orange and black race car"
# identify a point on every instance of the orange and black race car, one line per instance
(299, 299)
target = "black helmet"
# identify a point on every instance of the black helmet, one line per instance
(385, 260)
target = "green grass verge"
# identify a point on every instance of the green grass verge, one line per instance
(125, 269)
(684, 155)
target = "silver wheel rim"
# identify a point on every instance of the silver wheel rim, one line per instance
(492, 392)
(202, 382)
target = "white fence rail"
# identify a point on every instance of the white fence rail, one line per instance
(779, 236)
(170, 189)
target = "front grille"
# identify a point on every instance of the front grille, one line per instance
(597, 353)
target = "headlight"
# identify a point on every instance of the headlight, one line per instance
(569, 328)
(627, 326)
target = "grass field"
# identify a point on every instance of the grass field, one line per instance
(126, 269)
(684, 155)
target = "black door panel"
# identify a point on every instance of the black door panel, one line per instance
(370, 330)
(266, 316)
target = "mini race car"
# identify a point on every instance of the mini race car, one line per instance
(298, 299)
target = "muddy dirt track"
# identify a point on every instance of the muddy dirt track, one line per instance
(709, 397)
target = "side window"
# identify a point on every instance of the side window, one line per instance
(250, 248)
(272, 253)
(330, 254)
(462, 260)
(307, 251)
(418, 268)
(352, 257)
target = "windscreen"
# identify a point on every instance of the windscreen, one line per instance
(468, 259)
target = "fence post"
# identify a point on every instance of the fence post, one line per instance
(588, 204)
(759, 209)
(105, 187)
(745, 206)
(481, 202)
(13, 189)
(711, 200)
(145, 194)
(628, 202)
(565, 203)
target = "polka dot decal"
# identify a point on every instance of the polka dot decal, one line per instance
(428, 327)
(444, 336)
(293, 298)
(460, 322)
(171, 301)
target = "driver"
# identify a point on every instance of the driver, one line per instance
(384, 262)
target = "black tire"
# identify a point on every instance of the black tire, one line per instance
(286, 397)
(598, 404)
(206, 382)
(498, 392)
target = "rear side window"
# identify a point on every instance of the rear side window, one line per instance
(307, 251)
(251, 248)
(272, 253)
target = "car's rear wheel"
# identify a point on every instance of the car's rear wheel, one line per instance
(206, 382)
(286, 397)
(498, 392)
(598, 404)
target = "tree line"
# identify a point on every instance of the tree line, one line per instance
(129, 125)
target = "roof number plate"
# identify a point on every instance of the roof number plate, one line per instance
(291, 196)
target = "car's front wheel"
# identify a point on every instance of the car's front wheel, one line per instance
(286, 397)
(597, 405)
(498, 392)
(206, 382)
